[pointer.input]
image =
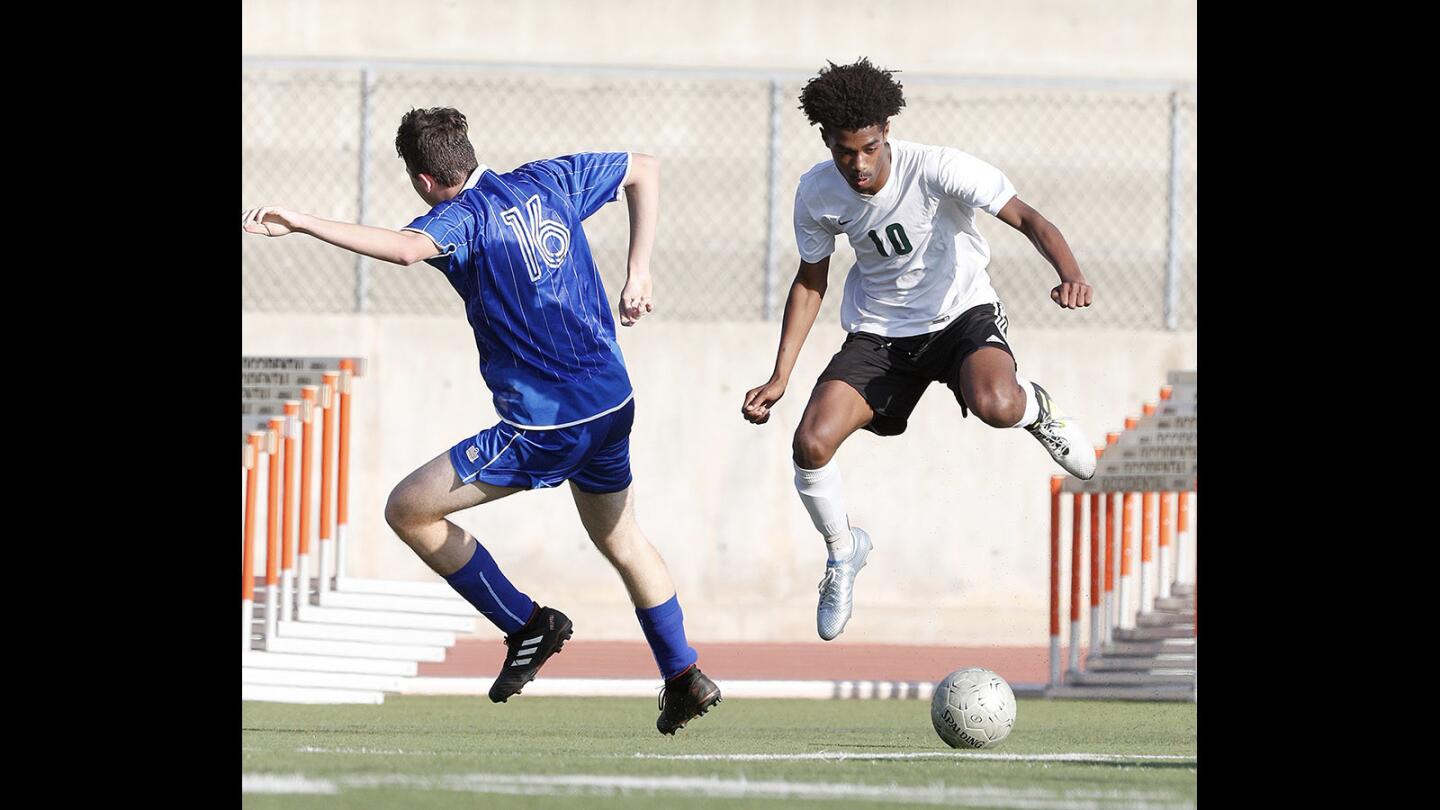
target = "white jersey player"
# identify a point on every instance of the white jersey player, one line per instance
(917, 303)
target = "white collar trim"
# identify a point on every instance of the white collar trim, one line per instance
(474, 177)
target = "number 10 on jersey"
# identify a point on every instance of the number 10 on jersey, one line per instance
(898, 240)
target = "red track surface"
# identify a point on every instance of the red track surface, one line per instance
(777, 661)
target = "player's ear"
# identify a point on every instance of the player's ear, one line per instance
(885, 133)
(825, 138)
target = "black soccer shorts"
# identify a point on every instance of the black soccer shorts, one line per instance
(892, 373)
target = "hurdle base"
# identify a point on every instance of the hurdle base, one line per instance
(1155, 633)
(353, 649)
(265, 676)
(1147, 693)
(379, 618)
(1140, 663)
(305, 694)
(258, 659)
(396, 587)
(401, 604)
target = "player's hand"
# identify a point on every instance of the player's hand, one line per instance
(635, 299)
(758, 401)
(1072, 294)
(269, 220)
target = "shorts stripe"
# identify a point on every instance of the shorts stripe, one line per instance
(603, 413)
(1001, 320)
(517, 435)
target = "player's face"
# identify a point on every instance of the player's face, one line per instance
(861, 156)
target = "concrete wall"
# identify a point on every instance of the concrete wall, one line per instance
(1153, 39)
(958, 511)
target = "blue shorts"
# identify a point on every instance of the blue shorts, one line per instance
(595, 455)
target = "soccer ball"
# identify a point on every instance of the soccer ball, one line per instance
(973, 708)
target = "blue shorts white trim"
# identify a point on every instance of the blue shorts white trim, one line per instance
(594, 454)
(623, 403)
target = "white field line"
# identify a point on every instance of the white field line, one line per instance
(861, 755)
(641, 687)
(823, 756)
(310, 749)
(285, 783)
(715, 787)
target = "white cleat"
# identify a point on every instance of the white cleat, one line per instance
(837, 589)
(1062, 437)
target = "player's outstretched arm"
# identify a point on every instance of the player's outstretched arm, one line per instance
(801, 307)
(1073, 291)
(642, 198)
(396, 247)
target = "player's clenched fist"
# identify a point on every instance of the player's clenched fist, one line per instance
(269, 220)
(1072, 294)
(758, 401)
(635, 300)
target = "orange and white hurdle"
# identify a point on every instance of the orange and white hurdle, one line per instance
(282, 399)
(250, 461)
(1112, 557)
(310, 396)
(287, 509)
(1140, 469)
(342, 467)
(1097, 560)
(325, 550)
(272, 532)
(1056, 481)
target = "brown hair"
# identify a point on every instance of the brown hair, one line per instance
(436, 141)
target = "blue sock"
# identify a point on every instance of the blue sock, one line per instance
(483, 586)
(664, 627)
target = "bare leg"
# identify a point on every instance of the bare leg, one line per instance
(987, 381)
(835, 411)
(418, 506)
(609, 519)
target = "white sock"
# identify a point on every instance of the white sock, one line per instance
(824, 498)
(1032, 403)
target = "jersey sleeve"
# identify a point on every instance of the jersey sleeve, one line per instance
(971, 181)
(812, 239)
(590, 179)
(451, 226)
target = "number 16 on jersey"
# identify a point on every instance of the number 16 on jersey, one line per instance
(546, 238)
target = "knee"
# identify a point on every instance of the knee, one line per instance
(811, 449)
(615, 552)
(999, 405)
(403, 512)
(620, 548)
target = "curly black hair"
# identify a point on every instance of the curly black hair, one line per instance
(851, 97)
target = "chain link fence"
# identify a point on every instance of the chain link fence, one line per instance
(1113, 166)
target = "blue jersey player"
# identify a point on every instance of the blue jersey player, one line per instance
(513, 247)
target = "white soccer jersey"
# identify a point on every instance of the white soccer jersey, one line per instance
(919, 259)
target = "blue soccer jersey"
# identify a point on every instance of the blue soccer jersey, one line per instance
(514, 249)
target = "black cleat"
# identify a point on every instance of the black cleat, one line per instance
(684, 698)
(530, 647)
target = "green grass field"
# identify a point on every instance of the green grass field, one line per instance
(602, 753)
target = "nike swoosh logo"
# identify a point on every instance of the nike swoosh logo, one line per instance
(843, 224)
